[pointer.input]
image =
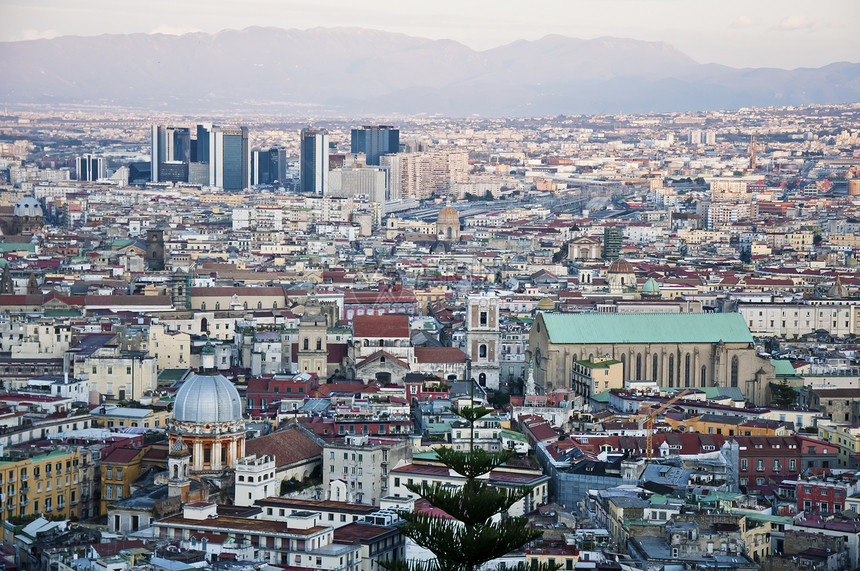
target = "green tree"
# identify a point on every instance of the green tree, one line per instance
(481, 529)
(816, 238)
(783, 395)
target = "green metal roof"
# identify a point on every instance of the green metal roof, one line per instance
(600, 365)
(513, 435)
(589, 328)
(17, 247)
(783, 368)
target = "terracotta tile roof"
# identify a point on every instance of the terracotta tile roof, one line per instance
(439, 355)
(379, 354)
(287, 446)
(381, 326)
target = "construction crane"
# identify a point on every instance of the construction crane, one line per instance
(649, 421)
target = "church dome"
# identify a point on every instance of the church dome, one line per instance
(28, 207)
(449, 215)
(207, 399)
(650, 286)
(621, 266)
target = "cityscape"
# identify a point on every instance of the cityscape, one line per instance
(238, 337)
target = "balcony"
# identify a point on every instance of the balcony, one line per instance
(48, 509)
(25, 489)
(24, 501)
(24, 477)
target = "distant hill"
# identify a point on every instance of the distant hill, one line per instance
(360, 71)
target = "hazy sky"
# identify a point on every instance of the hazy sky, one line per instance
(740, 33)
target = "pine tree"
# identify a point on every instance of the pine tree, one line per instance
(783, 395)
(480, 530)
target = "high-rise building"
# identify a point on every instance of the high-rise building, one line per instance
(169, 145)
(202, 144)
(419, 175)
(612, 241)
(375, 141)
(313, 167)
(90, 167)
(269, 166)
(229, 158)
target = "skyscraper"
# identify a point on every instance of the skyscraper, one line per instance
(375, 141)
(612, 242)
(169, 144)
(229, 158)
(313, 168)
(90, 167)
(268, 166)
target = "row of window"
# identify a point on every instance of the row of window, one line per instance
(777, 465)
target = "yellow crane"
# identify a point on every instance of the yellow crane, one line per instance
(649, 421)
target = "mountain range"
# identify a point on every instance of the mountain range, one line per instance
(355, 71)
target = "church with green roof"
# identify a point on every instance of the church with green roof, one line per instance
(673, 349)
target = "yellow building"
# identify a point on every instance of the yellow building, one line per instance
(757, 540)
(424, 297)
(46, 484)
(119, 469)
(597, 375)
(172, 349)
(728, 426)
(121, 417)
(846, 438)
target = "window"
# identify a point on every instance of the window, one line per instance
(734, 379)
(687, 370)
(759, 466)
(792, 464)
(671, 370)
(483, 319)
(482, 351)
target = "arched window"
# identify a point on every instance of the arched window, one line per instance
(245, 304)
(259, 305)
(638, 366)
(319, 343)
(671, 370)
(703, 376)
(203, 306)
(175, 471)
(687, 370)
(482, 379)
(623, 366)
(734, 371)
(274, 305)
(655, 367)
(482, 351)
(305, 344)
(217, 305)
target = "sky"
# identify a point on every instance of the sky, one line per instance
(740, 33)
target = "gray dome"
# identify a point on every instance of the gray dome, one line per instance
(28, 207)
(207, 398)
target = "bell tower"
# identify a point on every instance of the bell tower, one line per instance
(155, 249)
(483, 338)
(178, 466)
